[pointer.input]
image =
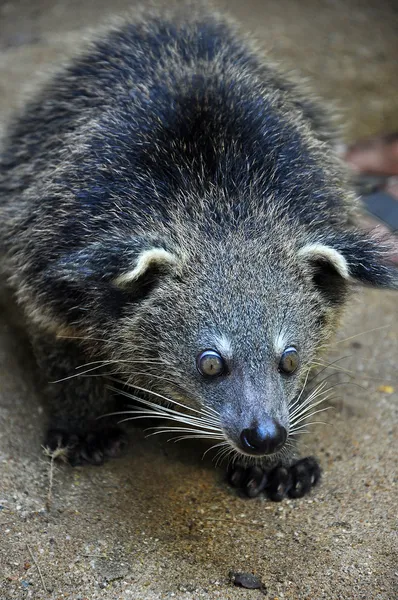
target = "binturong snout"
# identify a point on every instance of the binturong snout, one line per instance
(262, 438)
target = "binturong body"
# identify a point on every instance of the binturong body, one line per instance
(173, 213)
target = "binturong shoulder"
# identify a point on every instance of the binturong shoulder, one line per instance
(169, 118)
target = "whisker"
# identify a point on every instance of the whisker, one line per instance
(193, 421)
(307, 425)
(325, 367)
(77, 374)
(181, 429)
(95, 339)
(120, 361)
(110, 374)
(327, 377)
(303, 388)
(230, 456)
(184, 437)
(223, 454)
(316, 393)
(141, 389)
(159, 415)
(187, 437)
(211, 410)
(160, 411)
(318, 389)
(358, 334)
(98, 364)
(333, 366)
(214, 446)
(307, 416)
(338, 383)
(199, 425)
(308, 406)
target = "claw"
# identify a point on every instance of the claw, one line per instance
(89, 448)
(293, 481)
(256, 482)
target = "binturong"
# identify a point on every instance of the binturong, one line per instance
(177, 228)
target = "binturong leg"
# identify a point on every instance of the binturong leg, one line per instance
(76, 399)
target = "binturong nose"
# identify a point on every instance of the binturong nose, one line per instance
(263, 438)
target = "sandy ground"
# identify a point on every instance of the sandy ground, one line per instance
(161, 523)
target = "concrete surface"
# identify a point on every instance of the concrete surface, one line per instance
(161, 523)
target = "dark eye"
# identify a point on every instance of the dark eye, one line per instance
(210, 363)
(289, 361)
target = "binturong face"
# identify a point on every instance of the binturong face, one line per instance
(218, 333)
(226, 338)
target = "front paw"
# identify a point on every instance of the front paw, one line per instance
(294, 481)
(92, 447)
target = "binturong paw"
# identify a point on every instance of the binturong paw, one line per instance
(292, 481)
(92, 447)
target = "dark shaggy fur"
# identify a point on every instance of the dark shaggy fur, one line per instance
(168, 192)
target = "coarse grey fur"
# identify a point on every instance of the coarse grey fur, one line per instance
(168, 192)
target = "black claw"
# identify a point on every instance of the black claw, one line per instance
(115, 443)
(280, 482)
(91, 448)
(91, 452)
(294, 481)
(306, 473)
(75, 457)
(236, 475)
(256, 482)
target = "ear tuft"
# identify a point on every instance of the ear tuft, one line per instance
(329, 271)
(356, 256)
(315, 253)
(154, 259)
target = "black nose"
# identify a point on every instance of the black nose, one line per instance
(264, 438)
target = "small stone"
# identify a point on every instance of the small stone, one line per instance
(246, 580)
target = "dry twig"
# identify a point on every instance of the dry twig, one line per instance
(38, 568)
(53, 455)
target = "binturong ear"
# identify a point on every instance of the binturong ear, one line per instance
(349, 257)
(109, 272)
(329, 270)
(149, 265)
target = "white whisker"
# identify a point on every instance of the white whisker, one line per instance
(307, 425)
(159, 413)
(223, 454)
(303, 388)
(188, 437)
(77, 374)
(214, 446)
(211, 431)
(308, 408)
(149, 361)
(309, 400)
(307, 416)
(181, 429)
(358, 334)
(317, 390)
(147, 391)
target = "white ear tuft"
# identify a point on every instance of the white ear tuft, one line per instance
(316, 252)
(148, 259)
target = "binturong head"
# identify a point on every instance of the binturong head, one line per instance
(222, 329)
